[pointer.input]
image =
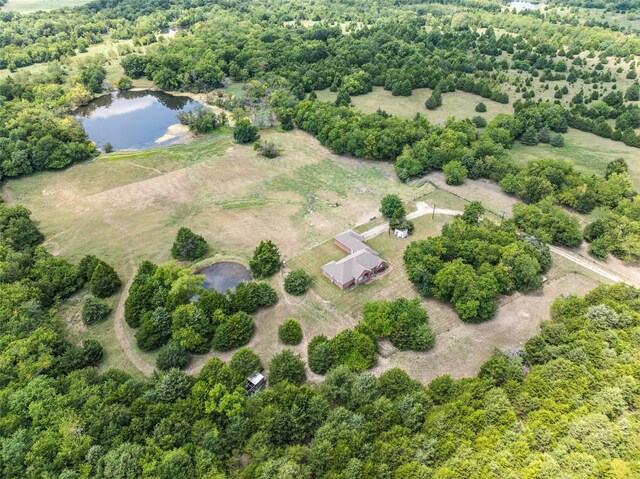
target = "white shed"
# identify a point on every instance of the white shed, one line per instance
(401, 233)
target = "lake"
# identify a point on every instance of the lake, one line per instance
(135, 119)
(225, 275)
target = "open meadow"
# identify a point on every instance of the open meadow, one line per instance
(458, 104)
(588, 152)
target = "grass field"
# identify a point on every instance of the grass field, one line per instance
(590, 153)
(458, 104)
(127, 206)
(28, 6)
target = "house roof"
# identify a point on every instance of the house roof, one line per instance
(353, 242)
(353, 266)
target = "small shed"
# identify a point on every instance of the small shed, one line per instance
(255, 383)
(401, 233)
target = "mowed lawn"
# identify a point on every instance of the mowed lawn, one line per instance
(588, 152)
(458, 104)
(391, 285)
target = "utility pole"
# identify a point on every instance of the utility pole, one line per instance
(433, 215)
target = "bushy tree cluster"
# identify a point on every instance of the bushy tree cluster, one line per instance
(350, 348)
(559, 181)
(169, 305)
(404, 322)
(202, 120)
(617, 232)
(549, 223)
(471, 262)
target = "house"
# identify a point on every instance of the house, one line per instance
(255, 383)
(401, 233)
(361, 264)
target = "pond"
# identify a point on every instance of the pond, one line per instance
(225, 275)
(135, 119)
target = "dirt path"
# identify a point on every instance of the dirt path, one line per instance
(585, 263)
(422, 209)
(125, 338)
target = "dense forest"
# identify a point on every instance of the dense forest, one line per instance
(563, 405)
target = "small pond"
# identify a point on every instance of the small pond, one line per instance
(225, 275)
(135, 119)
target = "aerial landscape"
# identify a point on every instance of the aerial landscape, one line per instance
(319, 239)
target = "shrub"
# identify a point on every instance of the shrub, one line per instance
(246, 363)
(599, 249)
(234, 332)
(290, 332)
(297, 282)
(395, 383)
(353, 349)
(124, 83)
(107, 147)
(319, 355)
(481, 107)
(248, 297)
(245, 132)
(94, 310)
(287, 366)
(171, 356)
(403, 321)
(454, 173)
(266, 260)
(268, 149)
(529, 137)
(92, 351)
(479, 121)
(188, 246)
(201, 120)
(104, 280)
(556, 140)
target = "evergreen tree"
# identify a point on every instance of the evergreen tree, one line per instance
(104, 281)
(266, 260)
(188, 246)
(343, 98)
(529, 137)
(434, 101)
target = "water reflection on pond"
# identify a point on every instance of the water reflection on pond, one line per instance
(225, 275)
(134, 119)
